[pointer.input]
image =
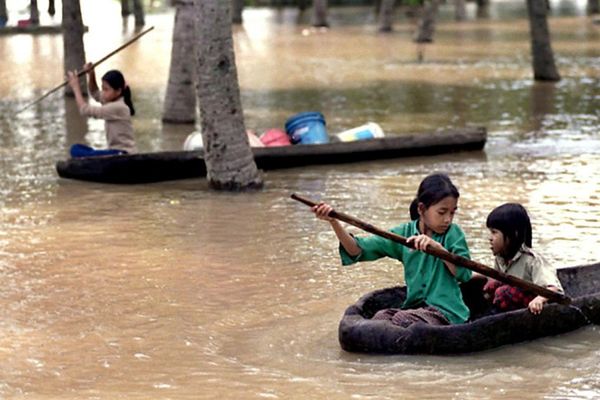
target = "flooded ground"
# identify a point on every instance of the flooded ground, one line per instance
(173, 291)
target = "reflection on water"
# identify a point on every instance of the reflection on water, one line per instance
(172, 291)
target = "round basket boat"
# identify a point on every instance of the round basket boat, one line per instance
(359, 333)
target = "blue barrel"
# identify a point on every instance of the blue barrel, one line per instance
(307, 128)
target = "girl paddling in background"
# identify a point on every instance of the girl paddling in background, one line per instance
(510, 241)
(433, 292)
(116, 110)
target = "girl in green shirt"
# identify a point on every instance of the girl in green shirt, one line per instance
(433, 291)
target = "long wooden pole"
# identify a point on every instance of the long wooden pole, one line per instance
(84, 71)
(446, 255)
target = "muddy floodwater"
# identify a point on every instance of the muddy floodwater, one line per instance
(173, 291)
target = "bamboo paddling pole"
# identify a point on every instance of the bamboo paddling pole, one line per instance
(84, 71)
(446, 255)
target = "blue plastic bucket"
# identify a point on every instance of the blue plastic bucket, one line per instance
(307, 128)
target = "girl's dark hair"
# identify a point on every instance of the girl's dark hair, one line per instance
(432, 190)
(116, 80)
(513, 221)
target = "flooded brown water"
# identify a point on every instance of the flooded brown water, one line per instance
(172, 291)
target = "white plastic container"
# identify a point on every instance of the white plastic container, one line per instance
(193, 142)
(370, 130)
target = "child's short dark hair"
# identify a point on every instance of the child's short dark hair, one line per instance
(432, 190)
(513, 221)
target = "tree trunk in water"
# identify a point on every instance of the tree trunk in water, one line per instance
(3, 13)
(460, 10)
(483, 9)
(125, 11)
(544, 68)
(386, 15)
(542, 103)
(180, 100)
(35, 13)
(302, 4)
(320, 16)
(378, 6)
(237, 10)
(51, 8)
(138, 13)
(593, 7)
(75, 126)
(73, 50)
(227, 154)
(426, 26)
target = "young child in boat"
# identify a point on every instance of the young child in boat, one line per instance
(433, 292)
(116, 110)
(510, 241)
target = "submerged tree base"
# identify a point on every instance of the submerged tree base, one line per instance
(547, 78)
(233, 186)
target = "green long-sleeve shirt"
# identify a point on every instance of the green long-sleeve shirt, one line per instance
(427, 278)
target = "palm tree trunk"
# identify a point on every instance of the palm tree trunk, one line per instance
(180, 100)
(125, 10)
(302, 4)
(483, 9)
(386, 15)
(229, 160)
(35, 13)
(542, 103)
(544, 68)
(3, 13)
(320, 13)
(237, 10)
(51, 8)
(138, 13)
(426, 26)
(73, 49)
(460, 10)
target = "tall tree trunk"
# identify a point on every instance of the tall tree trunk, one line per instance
(180, 100)
(229, 160)
(237, 10)
(460, 10)
(378, 7)
(73, 50)
(303, 4)
(76, 127)
(320, 13)
(35, 13)
(426, 26)
(542, 103)
(125, 10)
(386, 15)
(483, 8)
(544, 68)
(138, 13)
(3, 13)
(51, 8)
(593, 7)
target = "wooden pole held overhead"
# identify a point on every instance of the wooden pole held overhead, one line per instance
(84, 71)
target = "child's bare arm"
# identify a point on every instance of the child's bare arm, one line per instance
(537, 304)
(322, 211)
